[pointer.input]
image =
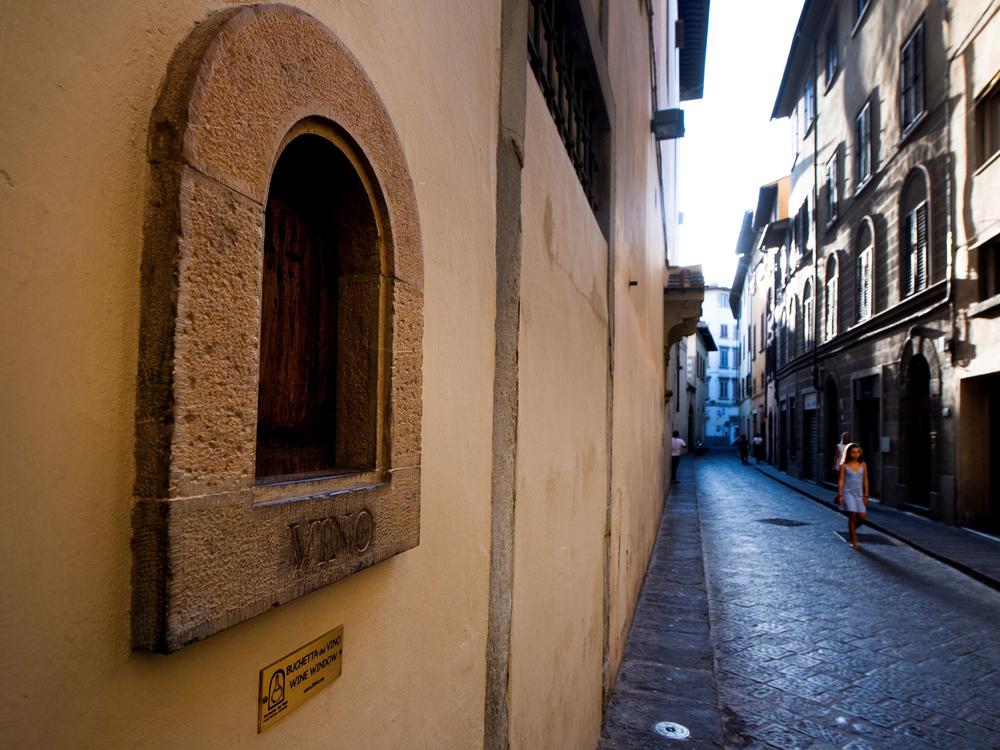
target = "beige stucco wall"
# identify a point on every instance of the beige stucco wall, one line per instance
(638, 425)
(557, 627)
(78, 83)
(78, 86)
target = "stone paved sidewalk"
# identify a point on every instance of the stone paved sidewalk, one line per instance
(815, 645)
(973, 554)
(668, 670)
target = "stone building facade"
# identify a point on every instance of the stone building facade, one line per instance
(973, 74)
(866, 334)
(722, 412)
(701, 345)
(297, 300)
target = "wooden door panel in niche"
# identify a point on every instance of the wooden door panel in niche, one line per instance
(319, 317)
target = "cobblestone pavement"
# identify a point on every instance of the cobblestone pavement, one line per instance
(820, 646)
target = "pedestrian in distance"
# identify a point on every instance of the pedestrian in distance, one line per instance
(677, 448)
(852, 490)
(839, 453)
(743, 446)
(758, 447)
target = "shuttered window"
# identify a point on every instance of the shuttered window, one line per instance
(807, 314)
(914, 270)
(911, 79)
(796, 321)
(832, 190)
(864, 284)
(830, 301)
(863, 143)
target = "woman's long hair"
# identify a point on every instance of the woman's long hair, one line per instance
(847, 453)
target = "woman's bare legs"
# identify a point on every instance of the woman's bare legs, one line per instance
(852, 528)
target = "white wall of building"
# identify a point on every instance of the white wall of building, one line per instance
(721, 406)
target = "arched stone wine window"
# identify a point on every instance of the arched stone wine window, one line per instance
(279, 389)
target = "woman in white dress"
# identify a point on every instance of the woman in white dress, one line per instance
(852, 489)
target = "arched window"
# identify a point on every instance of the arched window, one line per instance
(864, 270)
(808, 321)
(830, 299)
(278, 413)
(320, 315)
(783, 337)
(796, 330)
(914, 236)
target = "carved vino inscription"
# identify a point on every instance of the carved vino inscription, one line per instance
(317, 542)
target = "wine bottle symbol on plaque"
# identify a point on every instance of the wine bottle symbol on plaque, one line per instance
(276, 690)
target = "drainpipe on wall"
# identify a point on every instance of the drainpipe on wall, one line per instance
(948, 218)
(815, 206)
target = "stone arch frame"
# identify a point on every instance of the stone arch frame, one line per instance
(919, 343)
(195, 489)
(922, 173)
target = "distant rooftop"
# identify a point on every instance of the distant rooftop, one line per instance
(685, 279)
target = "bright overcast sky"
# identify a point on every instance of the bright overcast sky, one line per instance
(731, 147)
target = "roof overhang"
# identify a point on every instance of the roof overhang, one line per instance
(693, 15)
(800, 55)
(766, 197)
(744, 243)
(682, 298)
(706, 336)
(774, 235)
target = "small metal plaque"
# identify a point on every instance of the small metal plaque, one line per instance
(292, 680)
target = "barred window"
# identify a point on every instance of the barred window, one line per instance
(564, 65)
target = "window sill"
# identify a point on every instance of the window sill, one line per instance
(910, 129)
(862, 186)
(278, 490)
(831, 81)
(988, 308)
(987, 164)
(861, 19)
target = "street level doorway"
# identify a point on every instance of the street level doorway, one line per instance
(867, 430)
(979, 454)
(915, 417)
(832, 431)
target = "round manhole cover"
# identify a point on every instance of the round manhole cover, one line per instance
(671, 730)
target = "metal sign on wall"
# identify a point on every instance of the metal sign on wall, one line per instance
(292, 680)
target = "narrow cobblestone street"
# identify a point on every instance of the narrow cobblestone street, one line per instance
(817, 645)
